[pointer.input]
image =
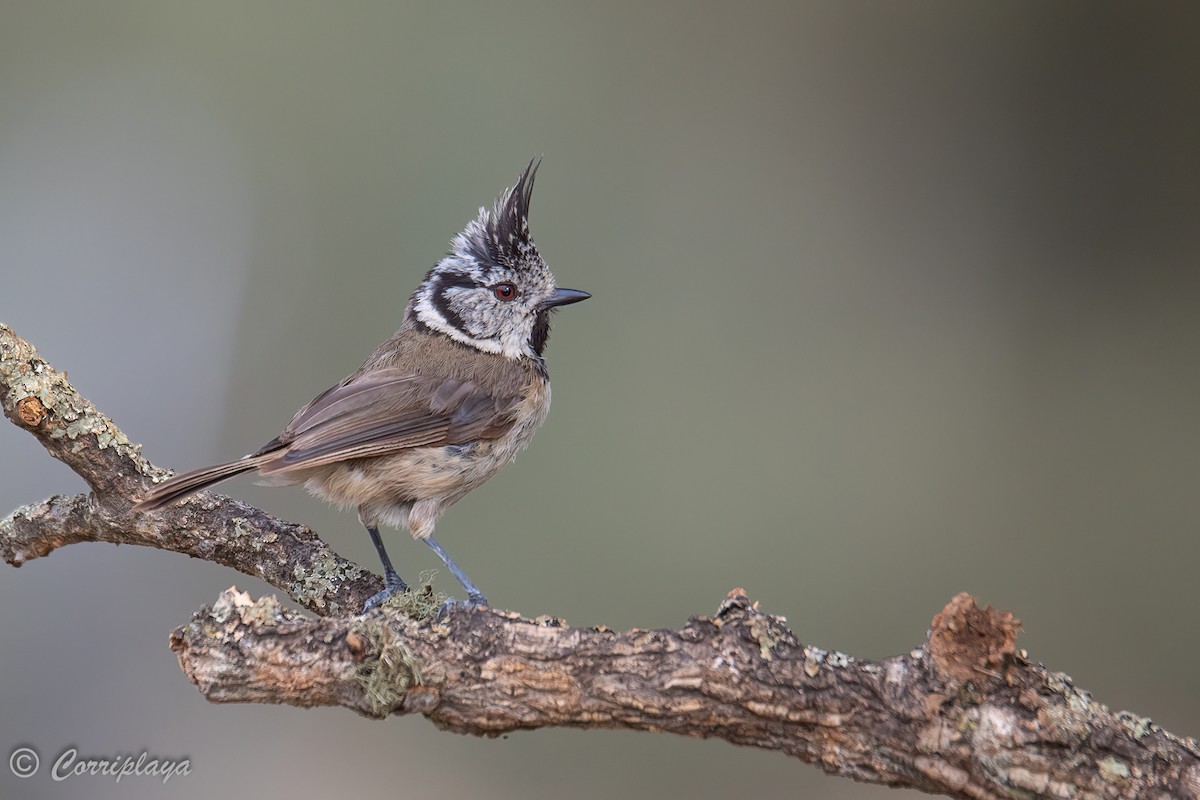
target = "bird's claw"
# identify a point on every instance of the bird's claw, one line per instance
(472, 602)
(393, 586)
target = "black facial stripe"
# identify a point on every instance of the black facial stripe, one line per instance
(453, 280)
(541, 331)
(441, 302)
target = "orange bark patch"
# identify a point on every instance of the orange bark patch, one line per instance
(972, 643)
(31, 411)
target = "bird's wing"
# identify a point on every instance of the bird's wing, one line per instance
(385, 411)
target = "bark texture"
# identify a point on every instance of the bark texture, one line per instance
(964, 714)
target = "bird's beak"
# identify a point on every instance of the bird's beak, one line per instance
(564, 297)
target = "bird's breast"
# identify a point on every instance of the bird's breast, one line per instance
(442, 473)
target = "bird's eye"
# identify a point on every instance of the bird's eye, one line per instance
(505, 291)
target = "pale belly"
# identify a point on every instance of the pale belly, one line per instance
(410, 488)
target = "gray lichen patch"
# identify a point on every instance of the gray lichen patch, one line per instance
(1077, 699)
(388, 667)
(67, 414)
(266, 610)
(813, 658)
(235, 612)
(233, 602)
(1135, 725)
(314, 586)
(12, 544)
(245, 533)
(838, 660)
(760, 631)
(1113, 769)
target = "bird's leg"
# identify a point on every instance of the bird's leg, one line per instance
(392, 583)
(474, 596)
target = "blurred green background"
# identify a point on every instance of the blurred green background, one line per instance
(891, 301)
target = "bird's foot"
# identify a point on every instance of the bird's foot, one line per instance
(392, 586)
(474, 600)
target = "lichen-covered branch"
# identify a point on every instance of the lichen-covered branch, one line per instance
(38, 398)
(212, 527)
(965, 714)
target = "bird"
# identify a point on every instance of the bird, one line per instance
(452, 396)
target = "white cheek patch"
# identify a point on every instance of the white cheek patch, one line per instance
(476, 316)
(432, 317)
(510, 343)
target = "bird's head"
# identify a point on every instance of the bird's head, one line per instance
(493, 291)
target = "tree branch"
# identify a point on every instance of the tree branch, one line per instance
(965, 714)
(37, 397)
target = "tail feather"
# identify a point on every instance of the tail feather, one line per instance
(181, 486)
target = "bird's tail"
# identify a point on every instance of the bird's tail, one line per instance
(181, 486)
